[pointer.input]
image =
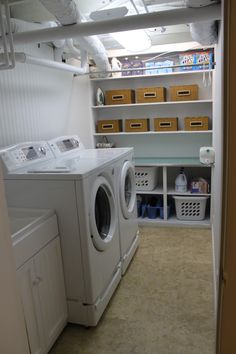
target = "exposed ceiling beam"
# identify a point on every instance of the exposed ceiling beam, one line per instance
(155, 19)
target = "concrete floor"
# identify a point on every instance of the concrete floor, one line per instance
(163, 305)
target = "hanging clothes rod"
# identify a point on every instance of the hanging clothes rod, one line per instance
(206, 68)
(28, 59)
(149, 20)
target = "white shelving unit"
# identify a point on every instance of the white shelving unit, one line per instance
(168, 150)
(168, 169)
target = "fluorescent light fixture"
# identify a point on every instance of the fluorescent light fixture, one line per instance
(133, 41)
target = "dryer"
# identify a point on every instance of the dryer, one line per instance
(81, 186)
(127, 210)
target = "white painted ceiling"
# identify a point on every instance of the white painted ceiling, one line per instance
(32, 10)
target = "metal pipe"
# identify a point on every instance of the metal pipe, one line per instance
(154, 19)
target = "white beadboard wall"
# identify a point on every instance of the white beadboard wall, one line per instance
(39, 103)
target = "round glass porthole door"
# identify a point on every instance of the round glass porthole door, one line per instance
(102, 214)
(127, 189)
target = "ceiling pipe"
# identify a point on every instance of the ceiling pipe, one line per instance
(28, 59)
(67, 12)
(154, 19)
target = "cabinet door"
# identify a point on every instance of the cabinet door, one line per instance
(31, 306)
(48, 265)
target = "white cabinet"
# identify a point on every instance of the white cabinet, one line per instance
(43, 297)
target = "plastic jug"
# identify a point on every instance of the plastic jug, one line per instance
(181, 182)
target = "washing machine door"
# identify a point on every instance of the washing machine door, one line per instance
(102, 214)
(127, 190)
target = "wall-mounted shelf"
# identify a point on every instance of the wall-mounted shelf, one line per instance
(169, 150)
(170, 103)
(179, 73)
(156, 133)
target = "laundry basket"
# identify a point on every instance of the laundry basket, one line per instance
(146, 178)
(190, 208)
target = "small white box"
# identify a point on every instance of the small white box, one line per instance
(146, 178)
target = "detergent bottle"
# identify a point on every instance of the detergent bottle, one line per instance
(181, 182)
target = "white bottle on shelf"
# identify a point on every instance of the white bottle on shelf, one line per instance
(181, 183)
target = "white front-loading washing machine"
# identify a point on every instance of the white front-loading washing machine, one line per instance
(81, 186)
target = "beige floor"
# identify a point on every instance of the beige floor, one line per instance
(163, 305)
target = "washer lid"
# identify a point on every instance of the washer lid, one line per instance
(102, 214)
(127, 190)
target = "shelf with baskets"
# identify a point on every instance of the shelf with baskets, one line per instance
(197, 107)
(156, 133)
(153, 104)
(159, 202)
(166, 149)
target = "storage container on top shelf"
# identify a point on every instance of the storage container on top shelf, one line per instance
(184, 93)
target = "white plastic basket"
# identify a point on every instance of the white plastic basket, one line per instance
(146, 178)
(190, 208)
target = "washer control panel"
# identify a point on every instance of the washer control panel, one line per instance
(64, 144)
(25, 154)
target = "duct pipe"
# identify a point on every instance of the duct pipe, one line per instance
(204, 32)
(28, 59)
(154, 19)
(82, 53)
(67, 12)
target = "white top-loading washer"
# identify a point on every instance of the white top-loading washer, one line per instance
(81, 186)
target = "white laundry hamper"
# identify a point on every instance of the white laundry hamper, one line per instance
(146, 178)
(190, 208)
